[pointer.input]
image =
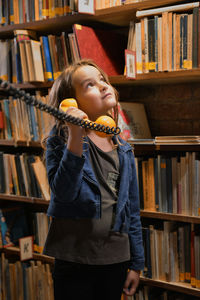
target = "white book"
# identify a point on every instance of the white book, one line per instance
(37, 60)
(160, 10)
(138, 49)
(160, 44)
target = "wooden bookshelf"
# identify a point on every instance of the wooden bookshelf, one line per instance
(13, 143)
(14, 251)
(37, 204)
(24, 199)
(155, 78)
(120, 17)
(170, 216)
(173, 286)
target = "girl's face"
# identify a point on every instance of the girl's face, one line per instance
(93, 94)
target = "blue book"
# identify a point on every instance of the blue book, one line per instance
(47, 57)
(11, 13)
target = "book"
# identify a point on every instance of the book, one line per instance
(30, 64)
(47, 58)
(133, 121)
(151, 44)
(195, 37)
(147, 250)
(54, 56)
(41, 175)
(151, 184)
(19, 170)
(98, 45)
(138, 42)
(2, 174)
(24, 62)
(4, 49)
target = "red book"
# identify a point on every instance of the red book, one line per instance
(104, 47)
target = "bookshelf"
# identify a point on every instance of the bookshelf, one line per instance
(130, 90)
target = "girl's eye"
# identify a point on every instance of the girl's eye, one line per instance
(89, 84)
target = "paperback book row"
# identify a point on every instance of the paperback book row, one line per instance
(170, 184)
(28, 58)
(21, 122)
(17, 223)
(151, 293)
(25, 280)
(172, 252)
(166, 39)
(23, 11)
(23, 175)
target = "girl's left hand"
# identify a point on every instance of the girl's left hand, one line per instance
(131, 283)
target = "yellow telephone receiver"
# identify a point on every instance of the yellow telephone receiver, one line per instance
(102, 120)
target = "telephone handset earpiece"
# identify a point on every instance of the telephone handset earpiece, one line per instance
(102, 120)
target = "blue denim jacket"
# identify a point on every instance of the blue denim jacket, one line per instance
(75, 191)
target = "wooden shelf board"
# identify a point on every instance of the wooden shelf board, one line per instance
(153, 78)
(13, 143)
(24, 199)
(123, 14)
(174, 286)
(15, 251)
(173, 77)
(140, 149)
(170, 216)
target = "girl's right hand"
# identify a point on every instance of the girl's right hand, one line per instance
(75, 132)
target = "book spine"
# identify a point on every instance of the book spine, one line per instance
(195, 38)
(47, 57)
(151, 43)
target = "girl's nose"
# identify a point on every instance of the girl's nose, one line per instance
(102, 86)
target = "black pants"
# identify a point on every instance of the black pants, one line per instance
(88, 282)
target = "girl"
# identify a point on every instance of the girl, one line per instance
(95, 234)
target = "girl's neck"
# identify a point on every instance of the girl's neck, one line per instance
(104, 143)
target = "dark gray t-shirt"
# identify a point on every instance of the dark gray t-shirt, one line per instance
(92, 241)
